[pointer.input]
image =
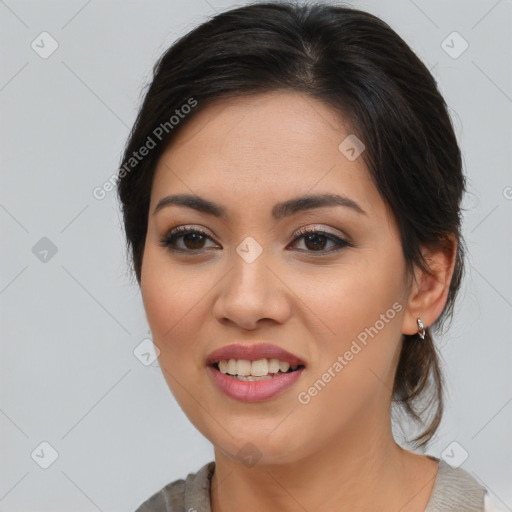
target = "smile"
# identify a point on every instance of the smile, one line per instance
(250, 387)
(260, 369)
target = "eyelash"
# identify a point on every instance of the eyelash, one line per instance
(181, 231)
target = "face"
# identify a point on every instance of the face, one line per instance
(334, 296)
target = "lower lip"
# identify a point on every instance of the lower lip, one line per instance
(254, 391)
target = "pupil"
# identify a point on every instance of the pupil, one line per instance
(197, 241)
(313, 237)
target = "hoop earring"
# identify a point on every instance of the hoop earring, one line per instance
(421, 329)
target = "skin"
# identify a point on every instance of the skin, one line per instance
(337, 452)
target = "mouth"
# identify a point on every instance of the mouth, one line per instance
(254, 373)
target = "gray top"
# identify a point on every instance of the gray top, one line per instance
(454, 490)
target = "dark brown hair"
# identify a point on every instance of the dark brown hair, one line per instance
(355, 63)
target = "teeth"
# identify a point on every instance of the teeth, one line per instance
(259, 368)
(273, 366)
(284, 366)
(243, 367)
(231, 367)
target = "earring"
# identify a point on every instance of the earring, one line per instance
(421, 329)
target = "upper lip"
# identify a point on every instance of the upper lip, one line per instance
(253, 353)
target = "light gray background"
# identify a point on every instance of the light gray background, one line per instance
(70, 325)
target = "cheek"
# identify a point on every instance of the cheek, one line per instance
(346, 298)
(174, 310)
(172, 302)
(361, 303)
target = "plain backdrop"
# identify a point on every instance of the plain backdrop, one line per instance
(75, 394)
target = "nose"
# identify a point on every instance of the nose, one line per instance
(252, 294)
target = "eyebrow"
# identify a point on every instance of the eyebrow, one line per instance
(279, 211)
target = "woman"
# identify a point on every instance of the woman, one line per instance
(291, 195)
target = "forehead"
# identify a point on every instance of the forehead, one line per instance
(264, 146)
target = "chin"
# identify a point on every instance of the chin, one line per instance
(254, 446)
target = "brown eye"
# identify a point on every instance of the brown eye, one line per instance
(193, 239)
(315, 240)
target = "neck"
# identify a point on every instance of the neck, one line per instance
(361, 470)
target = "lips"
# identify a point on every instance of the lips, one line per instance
(248, 389)
(259, 391)
(253, 352)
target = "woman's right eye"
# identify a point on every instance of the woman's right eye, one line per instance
(192, 238)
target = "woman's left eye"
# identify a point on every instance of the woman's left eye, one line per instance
(193, 240)
(315, 238)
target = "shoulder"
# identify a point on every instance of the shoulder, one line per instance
(455, 490)
(193, 492)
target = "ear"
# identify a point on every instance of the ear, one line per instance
(429, 292)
